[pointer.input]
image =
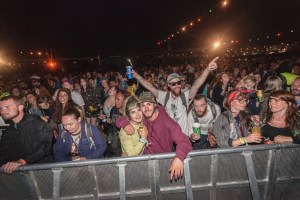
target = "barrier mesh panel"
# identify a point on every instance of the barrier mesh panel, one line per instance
(108, 178)
(75, 181)
(137, 176)
(200, 170)
(164, 166)
(44, 179)
(234, 193)
(12, 188)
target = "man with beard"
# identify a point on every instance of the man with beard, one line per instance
(204, 112)
(296, 91)
(162, 133)
(176, 101)
(27, 140)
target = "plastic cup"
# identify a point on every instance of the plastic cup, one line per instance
(129, 72)
(197, 128)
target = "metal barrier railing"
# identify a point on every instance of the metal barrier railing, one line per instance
(256, 172)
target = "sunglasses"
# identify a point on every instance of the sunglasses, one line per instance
(175, 83)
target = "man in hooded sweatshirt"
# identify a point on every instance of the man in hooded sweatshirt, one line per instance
(162, 133)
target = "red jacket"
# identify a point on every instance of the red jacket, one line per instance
(162, 132)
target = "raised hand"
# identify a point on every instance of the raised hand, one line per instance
(212, 65)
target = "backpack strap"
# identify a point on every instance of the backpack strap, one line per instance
(63, 135)
(89, 134)
(183, 99)
(167, 99)
(212, 107)
(196, 120)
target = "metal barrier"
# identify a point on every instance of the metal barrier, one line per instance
(257, 172)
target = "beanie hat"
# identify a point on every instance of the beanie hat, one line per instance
(131, 103)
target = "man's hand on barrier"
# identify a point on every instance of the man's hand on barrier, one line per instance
(129, 130)
(10, 167)
(176, 169)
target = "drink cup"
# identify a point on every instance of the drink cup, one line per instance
(259, 94)
(256, 130)
(197, 128)
(129, 72)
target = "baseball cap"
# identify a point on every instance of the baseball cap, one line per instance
(69, 81)
(173, 76)
(147, 97)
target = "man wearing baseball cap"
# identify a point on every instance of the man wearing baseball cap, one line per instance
(162, 133)
(176, 102)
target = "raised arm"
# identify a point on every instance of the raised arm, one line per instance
(145, 83)
(197, 84)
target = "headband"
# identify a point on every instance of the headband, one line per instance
(232, 96)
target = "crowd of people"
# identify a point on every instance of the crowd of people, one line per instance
(93, 115)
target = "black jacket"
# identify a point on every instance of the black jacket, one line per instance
(30, 139)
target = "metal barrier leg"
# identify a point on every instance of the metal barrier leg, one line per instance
(187, 179)
(274, 159)
(214, 175)
(56, 183)
(94, 181)
(251, 175)
(29, 185)
(121, 167)
(154, 179)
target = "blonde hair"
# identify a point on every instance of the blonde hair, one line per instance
(247, 79)
(272, 84)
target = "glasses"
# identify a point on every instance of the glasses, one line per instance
(241, 101)
(175, 83)
(183, 80)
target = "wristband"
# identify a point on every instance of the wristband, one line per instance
(139, 78)
(143, 140)
(242, 140)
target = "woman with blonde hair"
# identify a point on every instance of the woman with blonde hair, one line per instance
(249, 82)
(272, 84)
(133, 145)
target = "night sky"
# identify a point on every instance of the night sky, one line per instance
(126, 27)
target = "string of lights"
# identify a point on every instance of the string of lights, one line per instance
(192, 23)
(217, 44)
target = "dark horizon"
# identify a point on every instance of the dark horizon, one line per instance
(80, 28)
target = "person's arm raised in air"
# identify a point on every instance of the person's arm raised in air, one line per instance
(145, 83)
(197, 84)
